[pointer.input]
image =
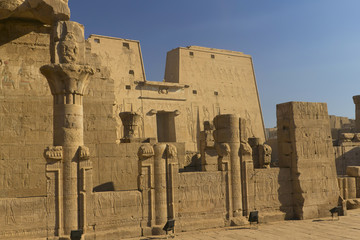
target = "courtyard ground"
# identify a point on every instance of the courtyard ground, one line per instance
(347, 227)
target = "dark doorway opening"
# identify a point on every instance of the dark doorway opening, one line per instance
(165, 122)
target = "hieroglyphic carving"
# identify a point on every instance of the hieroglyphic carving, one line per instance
(6, 76)
(54, 200)
(305, 145)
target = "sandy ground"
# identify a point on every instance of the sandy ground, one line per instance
(347, 227)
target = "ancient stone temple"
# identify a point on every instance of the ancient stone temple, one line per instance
(88, 145)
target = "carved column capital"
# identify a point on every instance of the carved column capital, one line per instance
(130, 121)
(84, 153)
(54, 153)
(67, 78)
(146, 151)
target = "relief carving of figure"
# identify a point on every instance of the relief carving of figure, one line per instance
(68, 49)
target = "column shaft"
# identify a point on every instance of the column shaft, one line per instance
(160, 184)
(68, 132)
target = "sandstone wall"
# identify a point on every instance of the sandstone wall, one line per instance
(346, 156)
(273, 193)
(25, 108)
(25, 217)
(115, 215)
(119, 64)
(305, 146)
(201, 200)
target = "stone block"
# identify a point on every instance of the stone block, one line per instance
(305, 145)
(45, 11)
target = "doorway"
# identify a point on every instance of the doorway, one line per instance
(165, 122)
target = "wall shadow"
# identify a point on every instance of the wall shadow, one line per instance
(105, 187)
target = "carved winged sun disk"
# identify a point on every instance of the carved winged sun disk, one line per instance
(67, 78)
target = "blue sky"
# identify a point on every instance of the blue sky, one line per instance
(303, 50)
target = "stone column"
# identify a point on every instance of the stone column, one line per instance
(68, 77)
(228, 131)
(357, 112)
(160, 184)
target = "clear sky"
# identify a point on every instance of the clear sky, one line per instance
(303, 50)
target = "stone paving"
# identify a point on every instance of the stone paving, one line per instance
(347, 227)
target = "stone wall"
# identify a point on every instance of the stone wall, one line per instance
(346, 155)
(115, 215)
(25, 108)
(272, 196)
(305, 146)
(201, 200)
(25, 218)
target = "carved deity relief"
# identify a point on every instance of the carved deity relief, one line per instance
(68, 49)
(6, 75)
(68, 43)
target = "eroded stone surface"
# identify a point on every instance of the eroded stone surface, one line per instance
(305, 146)
(45, 11)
